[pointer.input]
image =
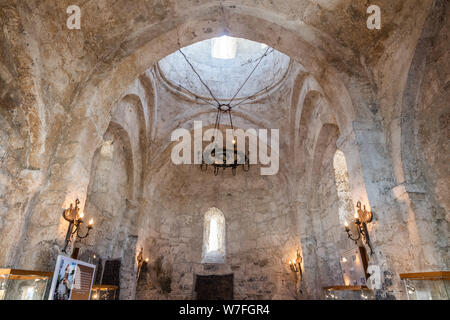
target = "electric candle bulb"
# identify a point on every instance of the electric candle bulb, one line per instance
(81, 215)
(91, 222)
(290, 262)
(146, 260)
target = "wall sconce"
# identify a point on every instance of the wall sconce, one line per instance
(362, 217)
(75, 219)
(296, 265)
(140, 261)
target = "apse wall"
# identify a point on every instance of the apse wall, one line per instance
(260, 228)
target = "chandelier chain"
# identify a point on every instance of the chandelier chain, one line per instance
(249, 76)
(196, 96)
(266, 53)
(199, 77)
(226, 108)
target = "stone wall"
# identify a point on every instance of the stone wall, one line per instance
(260, 237)
(432, 132)
(385, 91)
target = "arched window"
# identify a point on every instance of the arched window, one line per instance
(214, 237)
(342, 187)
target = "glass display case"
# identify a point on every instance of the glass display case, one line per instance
(23, 284)
(348, 293)
(103, 292)
(427, 285)
(353, 266)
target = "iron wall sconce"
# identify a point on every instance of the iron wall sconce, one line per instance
(140, 262)
(75, 219)
(296, 265)
(362, 218)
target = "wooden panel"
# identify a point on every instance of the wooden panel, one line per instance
(111, 274)
(347, 288)
(17, 272)
(437, 275)
(104, 287)
(214, 287)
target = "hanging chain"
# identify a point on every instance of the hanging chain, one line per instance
(249, 76)
(199, 77)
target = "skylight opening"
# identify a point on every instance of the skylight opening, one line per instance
(224, 47)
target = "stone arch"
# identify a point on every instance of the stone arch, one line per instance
(418, 137)
(136, 134)
(151, 47)
(120, 133)
(316, 113)
(324, 150)
(406, 132)
(111, 188)
(322, 212)
(148, 82)
(304, 85)
(91, 103)
(309, 104)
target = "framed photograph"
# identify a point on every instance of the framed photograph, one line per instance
(72, 280)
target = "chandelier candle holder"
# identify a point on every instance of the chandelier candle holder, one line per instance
(75, 219)
(362, 218)
(222, 158)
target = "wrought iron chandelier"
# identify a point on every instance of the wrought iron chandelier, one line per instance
(220, 157)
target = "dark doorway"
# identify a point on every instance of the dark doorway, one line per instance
(214, 287)
(111, 274)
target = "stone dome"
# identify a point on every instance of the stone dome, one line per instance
(225, 76)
